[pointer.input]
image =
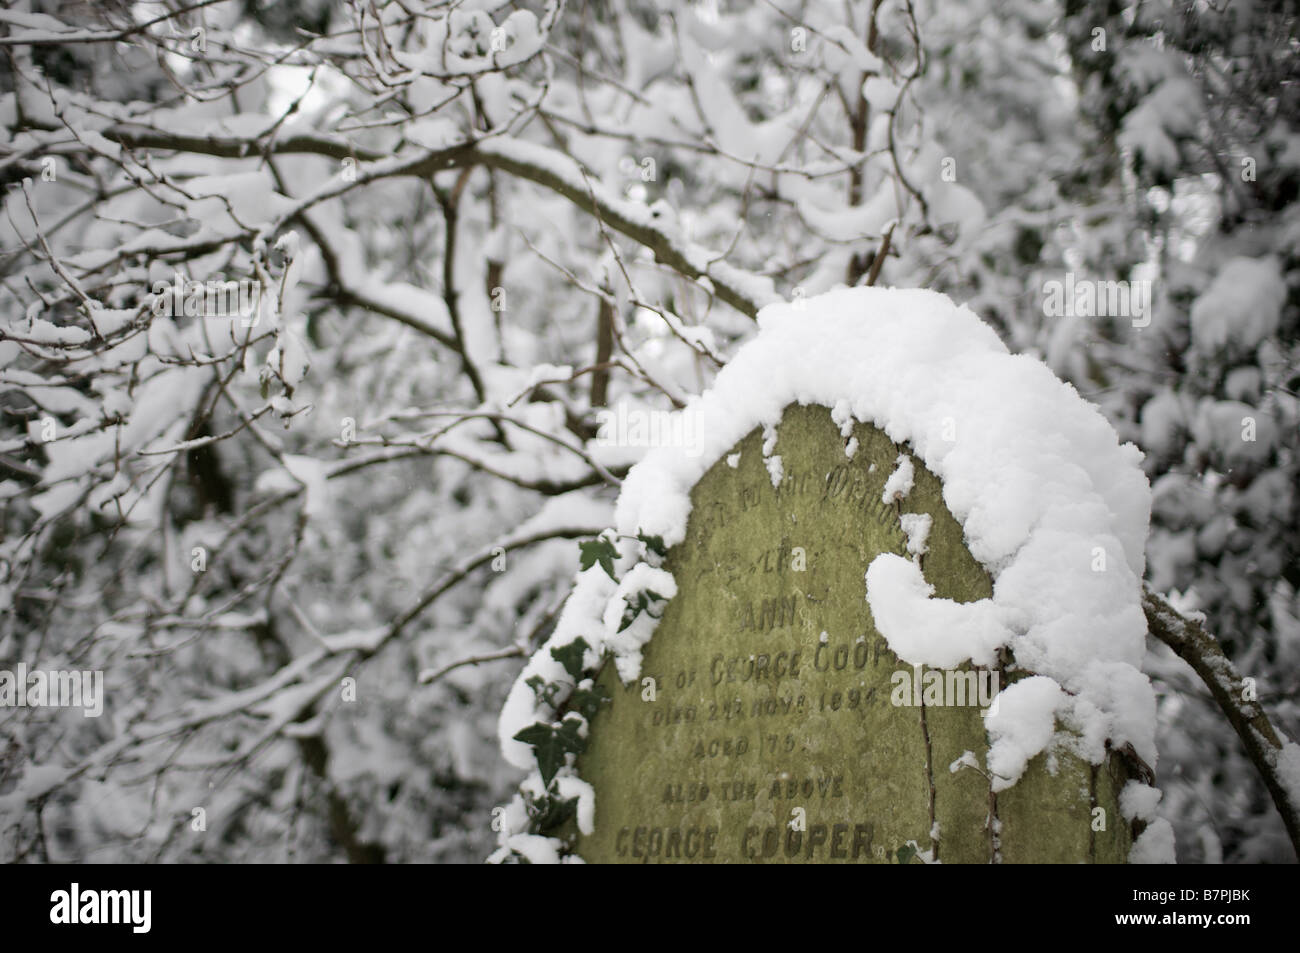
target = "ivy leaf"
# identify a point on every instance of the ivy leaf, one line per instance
(554, 813)
(588, 701)
(548, 812)
(644, 599)
(599, 550)
(570, 656)
(551, 743)
(550, 757)
(544, 690)
(569, 732)
(654, 544)
(906, 853)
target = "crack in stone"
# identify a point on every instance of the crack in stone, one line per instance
(929, 777)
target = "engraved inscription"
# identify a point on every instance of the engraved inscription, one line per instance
(773, 738)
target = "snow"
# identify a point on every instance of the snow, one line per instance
(591, 593)
(312, 475)
(626, 645)
(726, 119)
(1163, 417)
(1288, 769)
(1241, 307)
(43, 332)
(847, 41)
(924, 630)
(1021, 725)
(251, 196)
(536, 850)
(846, 224)
(572, 787)
(1171, 109)
(1187, 605)
(900, 482)
(1137, 802)
(1238, 431)
(1037, 479)
(288, 358)
(572, 178)
(775, 469)
(1155, 845)
(34, 21)
(842, 415)
(917, 528)
(967, 760)
(881, 93)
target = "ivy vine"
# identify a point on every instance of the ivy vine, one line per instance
(553, 741)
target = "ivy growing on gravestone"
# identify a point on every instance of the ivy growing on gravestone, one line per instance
(655, 545)
(641, 602)
(553, 741)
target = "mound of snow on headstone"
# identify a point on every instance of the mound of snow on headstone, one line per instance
(1051, 503)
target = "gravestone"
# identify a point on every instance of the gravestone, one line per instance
(782, 729)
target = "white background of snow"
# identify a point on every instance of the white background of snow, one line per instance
(1036, 477)
(1242, 305)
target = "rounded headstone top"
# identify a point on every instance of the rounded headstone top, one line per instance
(1051, 503)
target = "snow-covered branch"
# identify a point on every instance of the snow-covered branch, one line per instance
(1275, 756)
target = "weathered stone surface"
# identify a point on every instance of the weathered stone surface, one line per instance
(773, 690)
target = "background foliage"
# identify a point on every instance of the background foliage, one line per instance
(308, 552)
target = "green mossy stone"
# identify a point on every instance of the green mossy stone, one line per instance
(756, 713)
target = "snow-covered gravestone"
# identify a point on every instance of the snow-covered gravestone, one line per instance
(887, 608)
